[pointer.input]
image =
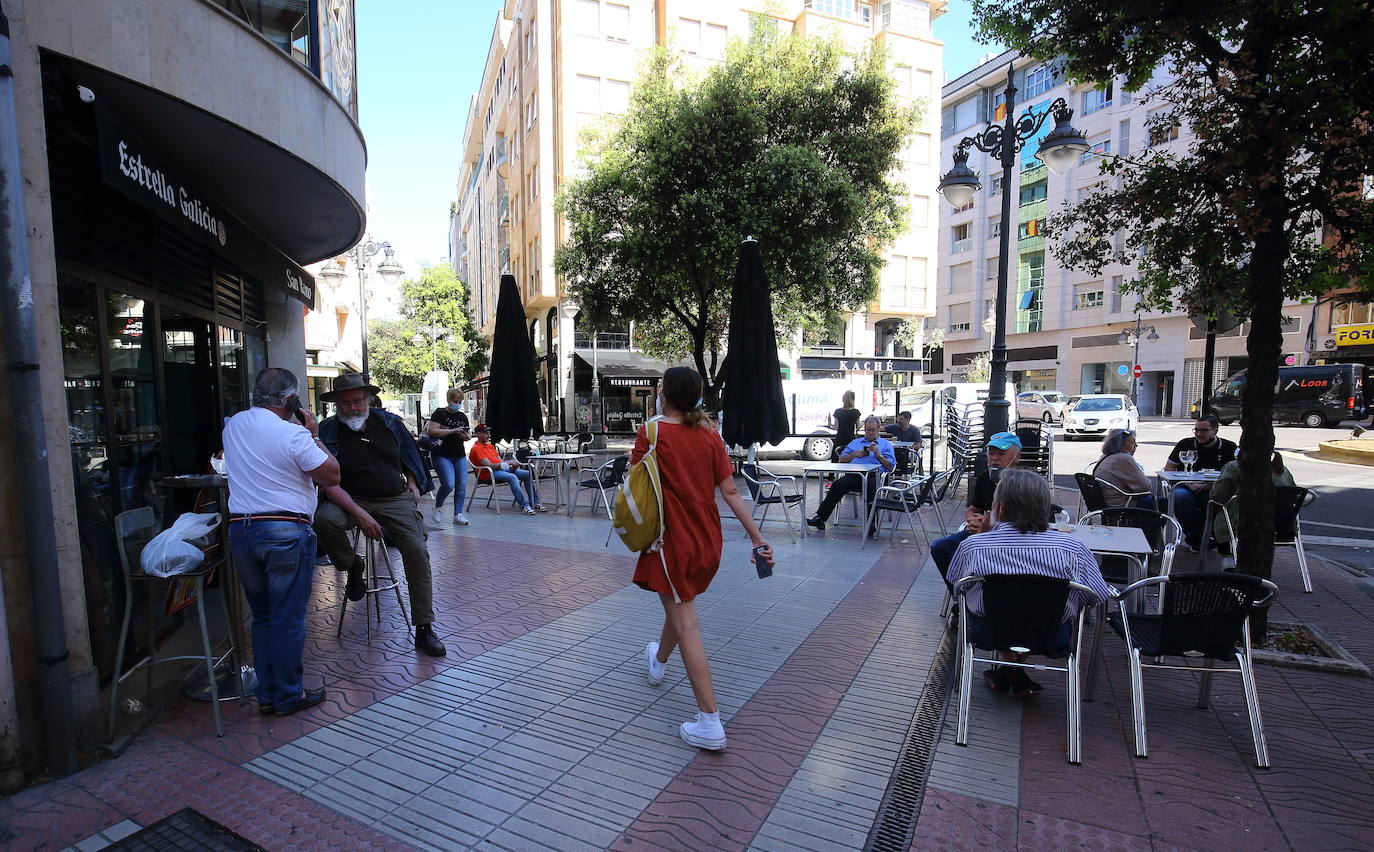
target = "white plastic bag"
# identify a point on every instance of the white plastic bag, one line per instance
(171, 551)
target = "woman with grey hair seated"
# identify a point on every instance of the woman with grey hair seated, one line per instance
(1122, 473)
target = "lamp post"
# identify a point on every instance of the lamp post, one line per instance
(390, 271)
(1133, 337)
(1003, 141)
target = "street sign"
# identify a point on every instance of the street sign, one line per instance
(1138, 372)
(1122, 369)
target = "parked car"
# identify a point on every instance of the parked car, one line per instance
(1068, 405)
(1096, 413)
(1045, 405)
(1313, 396)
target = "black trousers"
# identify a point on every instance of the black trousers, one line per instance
(846, 484)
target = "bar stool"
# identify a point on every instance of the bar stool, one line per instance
(133, 530)
(377, 580)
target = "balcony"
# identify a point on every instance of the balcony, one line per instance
(618, 340)
(824, 350)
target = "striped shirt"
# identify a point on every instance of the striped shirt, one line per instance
(1004, 550)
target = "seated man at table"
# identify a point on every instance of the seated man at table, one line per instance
(1190, 498)
(1021, 542)
(905, 432)
(487, 459)
(1004, 451)
(382, 479)
(868, 449)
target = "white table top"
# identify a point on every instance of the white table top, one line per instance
(1183, 476)
(562, 456)
(838, 467)
(1104, 539)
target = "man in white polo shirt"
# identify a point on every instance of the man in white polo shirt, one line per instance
(274, 459)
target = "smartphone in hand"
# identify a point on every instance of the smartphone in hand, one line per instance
(293, 405)
(760, 563)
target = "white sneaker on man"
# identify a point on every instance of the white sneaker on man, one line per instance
(706, 732)
(656, 669)
(527, 510)
(460, 519)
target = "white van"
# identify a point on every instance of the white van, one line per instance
(963, 394)
(809, 404)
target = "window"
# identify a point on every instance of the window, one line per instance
(920, 211)
(1088, 295)
(918, 149)
(615, 96)
(587, 94)
(689, 35)
(531, 110)
(615, 22)
(1116, 293)
(841, 9)
(913, 16)
(529, 39)
(1033, 192)
(995, 227)
(963, 115)
(894, 282)
(968, 205)
(959, 317)
(997, 185)
(1040, 80)
(586, 18)
(960, 278)
(1100, 148)
(959, 238)
(1162, 134)
(1097, 99)
(1352, 313)
(596, 19)
(714, 41)
(921, 81)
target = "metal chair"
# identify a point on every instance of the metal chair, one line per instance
(765, 489)
(1091, 496)
(1162, 532)
(1289, 501)
(1022, 614)
(1204, 615)
(133, 530)
(583, 441)
(477, 482)
(905, 497)
(604, 480)
(375, 583)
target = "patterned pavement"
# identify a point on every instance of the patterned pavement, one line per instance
(539, 731)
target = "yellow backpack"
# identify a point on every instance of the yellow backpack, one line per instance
(639, 500)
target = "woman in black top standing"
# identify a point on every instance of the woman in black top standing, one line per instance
(844, 420)
(450, 425)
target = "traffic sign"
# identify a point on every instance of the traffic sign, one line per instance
(1122, 369)
(1138, 372)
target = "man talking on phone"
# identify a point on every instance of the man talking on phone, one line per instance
(274, 459)
(868, 449)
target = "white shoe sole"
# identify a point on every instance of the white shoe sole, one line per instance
(707, 743)
(650, 657)
(462, 522)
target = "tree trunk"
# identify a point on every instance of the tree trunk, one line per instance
(1255, 546)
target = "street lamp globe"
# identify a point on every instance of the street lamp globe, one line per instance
(1125, 337)
(959, 183)
(1154, 335)
(1063, 145)
(331, 273)
(389, 269)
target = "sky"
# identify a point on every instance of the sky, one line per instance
(418, 65)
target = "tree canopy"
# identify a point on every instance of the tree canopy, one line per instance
(434, 320)
(1276, 97)
(789, 140)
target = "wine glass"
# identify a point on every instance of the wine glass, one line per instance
(1188, 457)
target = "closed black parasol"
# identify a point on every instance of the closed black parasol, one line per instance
(755, 411)
(512, 396)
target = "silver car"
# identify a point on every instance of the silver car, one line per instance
(1047, 405)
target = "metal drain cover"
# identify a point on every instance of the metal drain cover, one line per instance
(186, 829)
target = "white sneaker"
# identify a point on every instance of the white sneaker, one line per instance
(528, 510)
(706, 732)
(437, 519)
(460, 519)
(656, 669)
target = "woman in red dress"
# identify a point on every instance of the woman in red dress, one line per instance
(692, 464)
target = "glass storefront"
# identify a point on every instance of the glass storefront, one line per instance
(1107, 377)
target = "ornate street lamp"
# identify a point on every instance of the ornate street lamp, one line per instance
(1059, 151)
(389, 269)
(1133, 336)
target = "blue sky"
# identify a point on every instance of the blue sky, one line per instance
(418, 63)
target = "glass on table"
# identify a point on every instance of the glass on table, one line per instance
(1189, 458)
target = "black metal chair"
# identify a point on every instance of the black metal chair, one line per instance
(906, 497)
(604, 480)
(1022, 614)
(583, 441)
(1289, 501)
(1090, 490)
(1203, 615)
(766, 490)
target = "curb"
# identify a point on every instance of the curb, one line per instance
(1341, 451)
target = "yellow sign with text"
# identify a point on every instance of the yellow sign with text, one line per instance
(1354, 335)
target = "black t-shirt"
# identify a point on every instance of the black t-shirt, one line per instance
(845, 421)
(911, 433)
(983, 489)
(452, 445)
(370, 461)
(1208, 458)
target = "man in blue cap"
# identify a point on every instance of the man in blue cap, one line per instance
(1004, 451)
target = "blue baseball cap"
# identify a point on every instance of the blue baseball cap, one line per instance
(1005, 441)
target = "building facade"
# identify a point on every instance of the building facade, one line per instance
(181, 163)
(553, 67)
(1065, 327)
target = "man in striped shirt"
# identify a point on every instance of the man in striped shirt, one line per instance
(1020, 542)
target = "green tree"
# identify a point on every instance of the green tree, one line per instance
(1276, 95)
(785, 141)
(434, 331)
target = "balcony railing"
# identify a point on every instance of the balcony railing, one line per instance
(604, 340)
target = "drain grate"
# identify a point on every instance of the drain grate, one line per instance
(896, 820)
(186, 829)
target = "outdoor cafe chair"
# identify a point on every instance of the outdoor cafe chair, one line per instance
(1022, 614)
(1163, 532)
(1289, 501)
(489, 484)
(1204, 617)
(905, 497)
(583, 441)
(766, 490)
(604, 480)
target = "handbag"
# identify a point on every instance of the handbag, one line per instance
(428, 443)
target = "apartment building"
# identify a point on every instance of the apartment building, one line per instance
(180, 164)
(1066, 330)
(553, 67)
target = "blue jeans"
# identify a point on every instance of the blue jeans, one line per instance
(1190, 509)
(275, 561)
(522, 477)
(942, 552)
(453, 479)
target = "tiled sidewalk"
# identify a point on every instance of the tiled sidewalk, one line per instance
(539, 731)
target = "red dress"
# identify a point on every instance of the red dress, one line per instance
(691, 461)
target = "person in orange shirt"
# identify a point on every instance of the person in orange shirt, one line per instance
(487, 459)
